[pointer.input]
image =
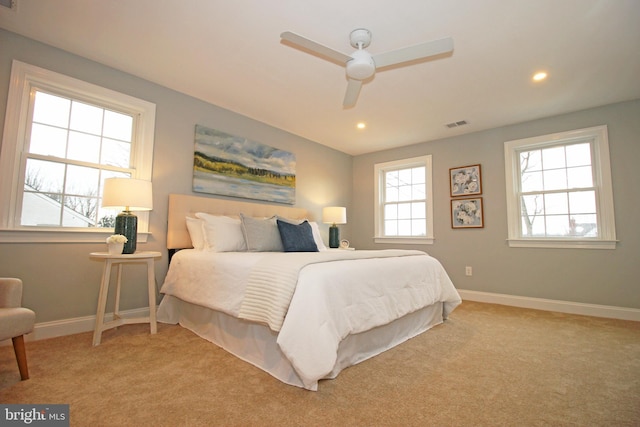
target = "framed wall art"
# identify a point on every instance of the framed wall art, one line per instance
(467, 213)
(465, 181)
(234, 166)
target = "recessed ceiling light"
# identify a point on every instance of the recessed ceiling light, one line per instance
(539, 76)
(361, 125)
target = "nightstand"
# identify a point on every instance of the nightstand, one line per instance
(110, 260)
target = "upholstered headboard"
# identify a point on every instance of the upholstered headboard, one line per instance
(182, 205)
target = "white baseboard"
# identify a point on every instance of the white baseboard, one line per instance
(595, 310)
(76, 325)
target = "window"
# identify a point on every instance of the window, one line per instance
(62, 139)
(403, 202)
(559, 190)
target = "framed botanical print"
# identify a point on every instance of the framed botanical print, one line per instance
(465, 181)
(467, 213)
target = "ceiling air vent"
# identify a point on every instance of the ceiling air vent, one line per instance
(456, 124)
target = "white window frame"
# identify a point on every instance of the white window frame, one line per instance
(25, 77)
(602, 183)
(379, 170)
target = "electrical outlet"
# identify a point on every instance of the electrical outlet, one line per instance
(468, 271)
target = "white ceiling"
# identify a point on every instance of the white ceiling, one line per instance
(229, 53)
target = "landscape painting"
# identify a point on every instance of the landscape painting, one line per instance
(230, 165)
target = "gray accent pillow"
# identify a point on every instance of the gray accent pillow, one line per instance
(261, 235)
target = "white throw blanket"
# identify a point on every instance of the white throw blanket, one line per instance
(273, 280)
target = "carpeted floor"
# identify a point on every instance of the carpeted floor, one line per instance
(488, 365)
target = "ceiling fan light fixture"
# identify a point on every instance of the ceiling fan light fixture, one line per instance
(361, 66)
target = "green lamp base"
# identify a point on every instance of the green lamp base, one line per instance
(334, 236)
(127, 225)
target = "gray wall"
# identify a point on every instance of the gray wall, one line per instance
(607, 277)
(60, 280)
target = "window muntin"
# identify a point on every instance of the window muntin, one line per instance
(68, 156)
(559, 190)
(403, 203)
(62, 138)
(557, 196)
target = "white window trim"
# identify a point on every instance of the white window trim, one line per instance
(602, 168)
(23, 78)
(379, 169)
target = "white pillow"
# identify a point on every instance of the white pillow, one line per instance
(222, 233)
(317, 237)
(196, 232)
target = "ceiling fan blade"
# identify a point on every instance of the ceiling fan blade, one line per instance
(411, 53)
(353, 90)
(321, 50)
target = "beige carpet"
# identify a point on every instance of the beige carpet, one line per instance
(489, 365)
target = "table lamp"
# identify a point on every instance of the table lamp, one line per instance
(334, 215)
(132, 195)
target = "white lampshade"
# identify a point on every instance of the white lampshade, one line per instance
(128, 193)
(334, 215)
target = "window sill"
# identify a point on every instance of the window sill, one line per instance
(405, 240)
(60, 236)
(562, 243)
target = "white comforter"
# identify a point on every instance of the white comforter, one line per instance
(331, 300)
(273, 281)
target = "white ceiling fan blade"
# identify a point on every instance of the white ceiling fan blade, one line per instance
(353, 90)
(321, 50)
(411, 53)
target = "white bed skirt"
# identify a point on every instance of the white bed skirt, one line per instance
(256, 343)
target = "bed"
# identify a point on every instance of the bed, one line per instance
(298, 314)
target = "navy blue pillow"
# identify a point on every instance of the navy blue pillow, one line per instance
(297, 237)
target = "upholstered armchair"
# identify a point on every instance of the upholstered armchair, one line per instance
(15, 321)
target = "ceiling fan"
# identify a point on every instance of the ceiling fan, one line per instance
(361, 65)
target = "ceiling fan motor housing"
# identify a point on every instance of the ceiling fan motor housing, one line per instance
(361, 66)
